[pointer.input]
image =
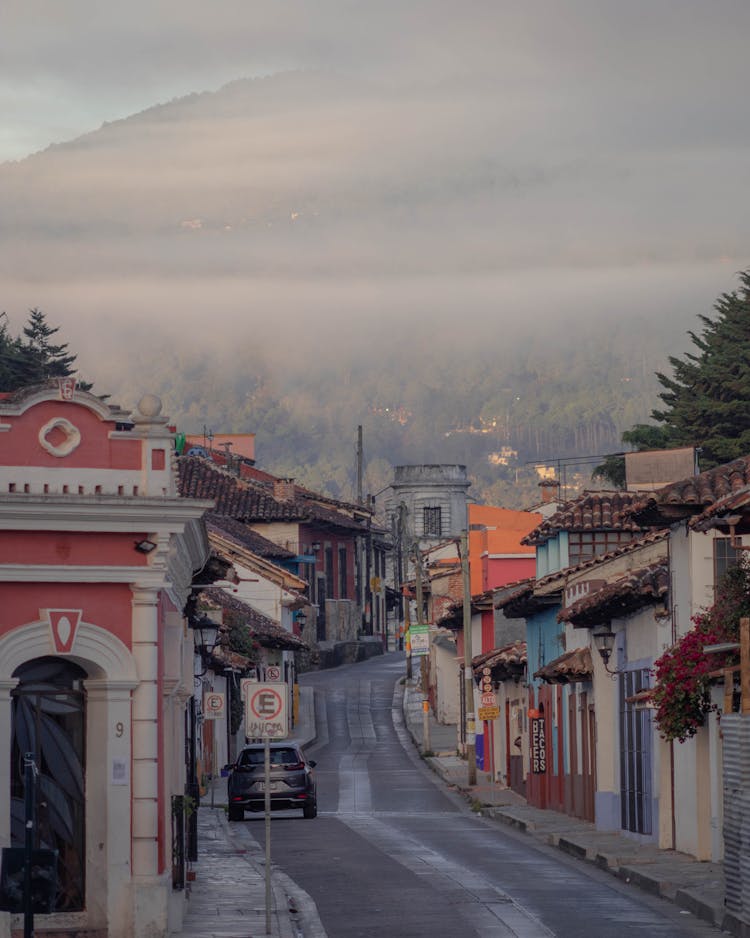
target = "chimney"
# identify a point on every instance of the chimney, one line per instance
(284, 490)
(550, 491)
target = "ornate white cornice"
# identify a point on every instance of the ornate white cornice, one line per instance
(59, 573)
(98, 513)
(49, 392)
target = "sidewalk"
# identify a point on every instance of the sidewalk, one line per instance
(227, 898)
(695, 886)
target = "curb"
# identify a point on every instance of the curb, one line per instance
(648, 878)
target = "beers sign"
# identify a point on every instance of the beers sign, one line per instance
(538, 746)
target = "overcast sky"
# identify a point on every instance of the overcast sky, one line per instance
(551, 156)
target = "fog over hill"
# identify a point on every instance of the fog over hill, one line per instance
(304, 252)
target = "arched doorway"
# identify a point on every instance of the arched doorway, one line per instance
(49, 721)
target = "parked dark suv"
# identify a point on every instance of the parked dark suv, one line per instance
(292, 781)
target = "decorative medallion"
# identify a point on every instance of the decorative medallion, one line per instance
(63, 626)
(66, 388)
(50, 433)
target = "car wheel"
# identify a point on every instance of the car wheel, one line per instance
(236, 814)
(310, 811)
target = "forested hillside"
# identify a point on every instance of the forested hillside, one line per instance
(562, 392)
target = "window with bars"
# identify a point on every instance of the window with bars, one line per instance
(432, 524)
(342, 573)
(328, 554)
(725, 556)
(585, 545)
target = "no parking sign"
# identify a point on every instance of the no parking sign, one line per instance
(266, 711)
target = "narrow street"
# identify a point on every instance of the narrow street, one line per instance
(393, 852)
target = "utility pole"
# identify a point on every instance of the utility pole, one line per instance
(424, 659)
(471, 746)
(403, 567)
(407, 623)
(360, 459)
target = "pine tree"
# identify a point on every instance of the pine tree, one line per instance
(51, 361)
(35, 359)
(707, 397)
(12, 358)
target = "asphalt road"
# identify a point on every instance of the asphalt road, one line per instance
(394, 854)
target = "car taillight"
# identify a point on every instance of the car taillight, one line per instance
(295, 767)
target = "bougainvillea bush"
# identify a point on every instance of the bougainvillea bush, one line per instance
(682, 691)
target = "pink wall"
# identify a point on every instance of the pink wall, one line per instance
(108, 605)
(71, 548)
(502, 570)
(96, 450)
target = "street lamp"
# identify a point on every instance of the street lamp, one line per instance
(604, 642)
(205, 636)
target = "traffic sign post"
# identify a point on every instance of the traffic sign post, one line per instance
(266, 718)
(419, 637)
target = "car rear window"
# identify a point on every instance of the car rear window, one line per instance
(278, 757)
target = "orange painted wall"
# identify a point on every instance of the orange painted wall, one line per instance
(108, 605)
(71, 548)
(506, 529)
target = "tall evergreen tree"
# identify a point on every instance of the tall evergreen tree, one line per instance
(11, 358)
(32, 357)
(707, 397)
(50, 360)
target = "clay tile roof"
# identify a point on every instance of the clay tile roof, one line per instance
(637, 589)
(731, 503)
(525, 602)
(570, 667)
(692, 495)
(264, 630)
(523, 589)
(593, 511)
(508, 661)
(650, 537)
(243, 536)
(249, 501)
(230, 659)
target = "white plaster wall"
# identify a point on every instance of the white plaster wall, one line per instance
(680, 586)
(646, 635)
(698, 795)
(702, 571)
(447, 681)
(686, 795)
(260, 593)
(607, 744)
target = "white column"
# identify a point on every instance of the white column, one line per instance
(145, 733)
(108, 871)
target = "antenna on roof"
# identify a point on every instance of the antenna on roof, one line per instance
(208, 436)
